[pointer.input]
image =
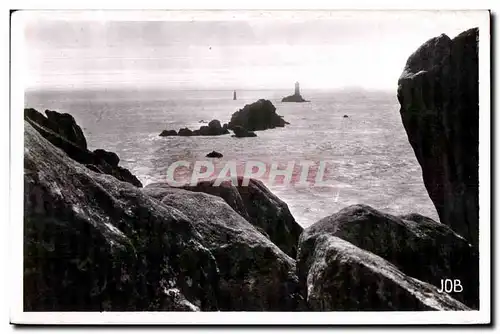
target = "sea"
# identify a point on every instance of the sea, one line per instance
(368, 159)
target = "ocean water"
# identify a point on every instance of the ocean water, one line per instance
(369, 158)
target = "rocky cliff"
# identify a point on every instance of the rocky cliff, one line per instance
(94, 243)
(438, 93)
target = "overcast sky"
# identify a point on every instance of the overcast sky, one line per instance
(228, 50)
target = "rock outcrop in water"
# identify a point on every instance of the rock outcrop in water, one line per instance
(214, 128)
(62, 131)
(214, 154)
(260, 115)
(361, 259)
(438, 93)
(168, 133)
(94, 243)
(296, 97)
(241, 132)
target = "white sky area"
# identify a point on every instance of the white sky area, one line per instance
(228, 50)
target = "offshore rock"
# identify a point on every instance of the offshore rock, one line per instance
(260, 115)
(240, 132)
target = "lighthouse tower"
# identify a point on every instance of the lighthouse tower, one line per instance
(297, 88)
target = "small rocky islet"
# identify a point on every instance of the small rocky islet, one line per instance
(257, 116)
(96, 240)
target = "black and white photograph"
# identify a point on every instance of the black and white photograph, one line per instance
(304, 167)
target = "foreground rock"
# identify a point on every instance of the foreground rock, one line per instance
(438, 93)
(255, 275)
(94, 243)
(62, 124)
(261, 208)
(339, 276)
(240, 132)
(260, 115)
(416, 245)
(75, 145)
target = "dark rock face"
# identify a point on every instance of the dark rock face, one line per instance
(255, 274)
(438, 93)
(294, 98)
(260, 115)
(213, 128)
(339, 276)
(418, 246)
(241, 132)
(109, 157)
(261, 208)
(214, 154)
(185, 132)
(62, 124)
(93, 243)
(100, 161)
(167, 133)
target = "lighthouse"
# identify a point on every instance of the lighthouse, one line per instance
(297, 89)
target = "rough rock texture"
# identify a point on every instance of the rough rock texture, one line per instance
(416, 245)
(438, 93)
(261, 208)
(94, 243)
(339, 276)
(241, 132)
(260, 115)
(255, 274)
(100, 161)
(62, 124)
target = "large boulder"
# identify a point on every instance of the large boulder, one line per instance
(260, 115)
(100, 161)
(94, 243)
(255, 274)
(438, 93)
(61, 123)
(416, 245)
(338, 276)
(260, 207)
